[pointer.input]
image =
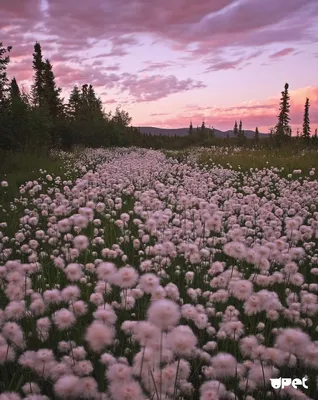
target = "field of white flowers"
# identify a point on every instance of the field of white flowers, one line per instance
(137, 276)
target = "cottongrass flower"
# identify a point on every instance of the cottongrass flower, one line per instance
(164, 314)
(68, 387)
(64, 319)
(99, 336)
(182, 341)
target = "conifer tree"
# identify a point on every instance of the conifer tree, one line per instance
(20, 133)
(38, 85)
(74, 104)
(306, 122)
(190, 132)
(51, 93)
(256, 137)
(94, 103)
(283, 130)
(15, 93)
(240, 130)
(203, 127)
(235, 130)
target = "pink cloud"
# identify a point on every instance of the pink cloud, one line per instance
(155, 87)
(69, 76)
(211, 23)
(282, 53)
(252, 114)
(152, 66)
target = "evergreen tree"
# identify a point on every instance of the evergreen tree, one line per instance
(20, 133)
(235, 130)
(240, 130)
(283, 130)
(190, 132)
(306, 123)
(38, 85)
(95, 104)
(315, 137)
(51, 93)
(203, 127)
(15, 93)
(73, 108)
(4, 61)
(256, 137)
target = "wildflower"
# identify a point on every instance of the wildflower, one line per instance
(99, 335)
(164, 313)
(64, 319)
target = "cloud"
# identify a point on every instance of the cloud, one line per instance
(152, 66)
(230, 29)
(282, 53)
(219, 62)
(211, 23)
(261, 114)
(69, 76)
(155, 87)
(158, 114)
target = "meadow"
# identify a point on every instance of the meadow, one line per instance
(134, 274)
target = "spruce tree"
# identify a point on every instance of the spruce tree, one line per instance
(203, 127)
(190, 132)
(15, 93)
(306, 122)
(240, 130)
(235, 130)
(38, 85)
(256, 137)
(95, 104)
(20, 132)
(283, 130)
(51, 93)
(73, 108)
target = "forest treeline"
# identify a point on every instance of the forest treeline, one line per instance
(42, 119)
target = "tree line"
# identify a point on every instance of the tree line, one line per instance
(42, 119)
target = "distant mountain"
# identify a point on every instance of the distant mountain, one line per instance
(184, 131)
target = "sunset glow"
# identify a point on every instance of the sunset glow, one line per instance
(169, 62)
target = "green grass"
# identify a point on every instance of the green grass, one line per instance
(244, 159)
(18, 168)
(247, 159)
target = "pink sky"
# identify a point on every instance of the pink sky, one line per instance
(167, 62)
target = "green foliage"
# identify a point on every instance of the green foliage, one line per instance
(256, 137)
(290, 158)
(306, 123)
(283, 130)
